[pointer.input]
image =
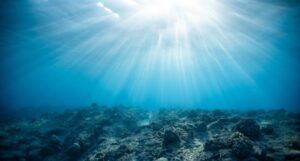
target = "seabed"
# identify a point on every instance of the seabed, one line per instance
(99, 133)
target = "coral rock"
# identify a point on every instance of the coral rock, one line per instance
(74, 150)
(241, 146)
(170, 137)
(268, 130)
(215, 144)
(249, 128)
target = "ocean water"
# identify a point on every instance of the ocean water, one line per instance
(149, 80)
(224, 54)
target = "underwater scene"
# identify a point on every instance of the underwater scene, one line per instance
(150, 80)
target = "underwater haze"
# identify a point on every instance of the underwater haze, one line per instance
(226, 54)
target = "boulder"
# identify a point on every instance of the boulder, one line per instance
(250, 159)
(74, 150)
(162, 159)
(294, 144)
(200, 126)
(49, 150)
(170, 137)
(34, 155)
(217, 125)
(292, 155)
(267, 130)
(241, 146)
(55, 131)
(52, 146)
(117, 153)
(249, 128)
(214, 144)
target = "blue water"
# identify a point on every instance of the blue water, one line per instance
(208, 54)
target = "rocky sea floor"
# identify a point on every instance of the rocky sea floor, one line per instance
(132, 134)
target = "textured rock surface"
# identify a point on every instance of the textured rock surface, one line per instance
(249, 128)
(128, 134)
(170, 137)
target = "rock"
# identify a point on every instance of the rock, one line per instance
(6, 144)
(261, 154)
(177, 158)
(292, 155)
(294, 115)
(200, 126)
(130, 122)
(54, 140)
(34, 155)
(214, 144)
(249, 128)
(113, 113)
(97, 131)
(294, 144)
(234, 119)
(74, 150)
(217, 125)
(186, 130)
(209, 157)
(49, 150)
(279, 112)
(206, 118)
(116, 134)
(15, 155)
(226, 155)
(144, 157)
(250, 159)
(170, 137)
(116, 154)
(55, 131)
(241, 146)
(52, 146)
(268, 129)
(162, 159)
(3, 135)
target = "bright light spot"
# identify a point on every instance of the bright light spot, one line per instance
(131, 2)
(100, 4)
(195, 11)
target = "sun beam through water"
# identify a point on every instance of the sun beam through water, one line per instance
(166, 52)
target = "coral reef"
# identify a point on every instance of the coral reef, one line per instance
(98, 133)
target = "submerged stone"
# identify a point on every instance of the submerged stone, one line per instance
(268, 130)
(241, 146)
(56, 131)
(104, 134)
(200, 126)
(294, 143)
(162, 159)
(249, 128)
(74, 150)
(52, 146)
(170, 137)
(292, 155)
(117, 153)
(250, 159)
(214, 144)
(217, 125)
